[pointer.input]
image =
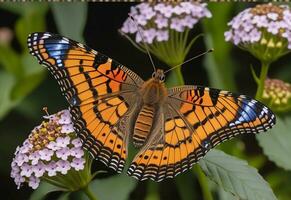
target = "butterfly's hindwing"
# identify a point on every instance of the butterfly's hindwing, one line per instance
(97, 89)
(196, 120)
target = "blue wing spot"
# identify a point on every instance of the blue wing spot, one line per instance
(246, 113)
(57, 50)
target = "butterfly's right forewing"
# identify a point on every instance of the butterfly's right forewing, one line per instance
(195, 120)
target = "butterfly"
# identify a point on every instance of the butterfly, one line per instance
(111, 105)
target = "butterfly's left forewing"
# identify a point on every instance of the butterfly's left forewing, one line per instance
(98, 89)
(195, 120)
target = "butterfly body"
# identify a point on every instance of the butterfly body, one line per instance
(153, 95)
(173, 127)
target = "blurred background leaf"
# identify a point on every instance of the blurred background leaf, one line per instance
(276, 143)
(10, 61)
(70, 19)
(43, 190)
(7, 81)
(219, 64)
(22, 68)
(34, 13)
(235, 176)
(112, 188)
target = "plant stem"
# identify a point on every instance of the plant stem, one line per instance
(203, 183)
(261, 83)
(179, 76)
(89, 193)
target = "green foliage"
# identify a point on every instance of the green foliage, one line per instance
(7, 82)
(115, 187)
(219, 64)
(276, 143)
(236, 176)
(20, 71)
(70, 19)
(43, 190)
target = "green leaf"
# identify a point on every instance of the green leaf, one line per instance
(223, 195)
(152, 191)
(276, 142)
(70, 19)
(219, 64)
(185, 183)
(236, 176)
(24, 8)
(9, 60)
(24, 25)
(112, 188)
(33, 75)
(25, 85)
(43, 189)
(30, 65)
(7, 82)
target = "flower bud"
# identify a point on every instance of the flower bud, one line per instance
(277, 94)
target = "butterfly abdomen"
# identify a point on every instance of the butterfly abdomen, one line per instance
(143, 125)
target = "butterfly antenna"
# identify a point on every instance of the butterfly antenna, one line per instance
(208, 51)
(143, 40)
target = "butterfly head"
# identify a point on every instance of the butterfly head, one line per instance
(159, 75)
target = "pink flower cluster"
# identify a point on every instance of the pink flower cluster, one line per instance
(250, 25)
(51, 148)
(155, 20)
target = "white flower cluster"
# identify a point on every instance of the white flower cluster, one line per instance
(250, 25)
(155, 20)
(51, 148)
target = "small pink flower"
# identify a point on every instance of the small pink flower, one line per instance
(53, 146)
(77, 142)
(65, 118)
(162, 36)
(228, 35)
(189, 21)
(63, 153)
(51, 168)
(161, 21)
(26, 170)
(33, 182)
(63, 141)
(273, 27)
(63, 166)
(46, 154)
(21, 158)
(34, 157)
(39, 169)
(67, 128)
(273, 16)
(149, 35)
(76, 152)
(78, 163)
(177, 24)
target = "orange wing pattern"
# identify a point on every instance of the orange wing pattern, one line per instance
(97, 89)
(196, 120)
